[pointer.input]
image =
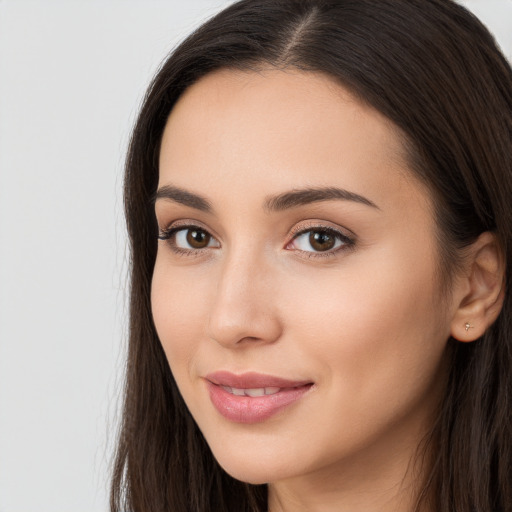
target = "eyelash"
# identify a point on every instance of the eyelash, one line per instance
(347, 242)
(169, 236)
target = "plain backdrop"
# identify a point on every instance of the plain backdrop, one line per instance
(72, 75)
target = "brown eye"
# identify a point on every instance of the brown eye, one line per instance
(188, 238)
(321, 240)
(197, 238)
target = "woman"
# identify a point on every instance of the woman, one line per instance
(318, 203)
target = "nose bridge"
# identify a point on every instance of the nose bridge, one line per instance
(243, 308)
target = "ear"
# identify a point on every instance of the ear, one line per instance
(480, 291)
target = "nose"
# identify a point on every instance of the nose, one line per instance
(244, 309)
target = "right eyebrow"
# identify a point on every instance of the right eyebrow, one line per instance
(184, 197)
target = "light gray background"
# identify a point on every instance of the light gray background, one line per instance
(72, 74)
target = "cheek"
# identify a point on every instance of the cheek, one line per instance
(374, 324)
(179, 304)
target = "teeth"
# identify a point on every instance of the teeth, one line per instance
(254, 392)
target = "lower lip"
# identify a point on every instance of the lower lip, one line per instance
(247, 409)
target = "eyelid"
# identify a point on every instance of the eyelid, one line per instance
(168, 235)
(345, 235)
(310, 225)
(176, 225)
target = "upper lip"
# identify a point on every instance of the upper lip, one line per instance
(252, 380)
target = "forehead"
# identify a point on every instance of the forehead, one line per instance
(281, 129)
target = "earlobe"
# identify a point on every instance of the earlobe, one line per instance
(483, 289)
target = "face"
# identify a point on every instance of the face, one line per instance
(295, 290)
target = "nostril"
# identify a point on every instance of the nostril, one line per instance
(257, 328)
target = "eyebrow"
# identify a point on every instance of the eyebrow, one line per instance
(280, 202)
(184, 197)
(301, 197)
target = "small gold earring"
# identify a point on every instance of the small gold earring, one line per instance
(468, 326)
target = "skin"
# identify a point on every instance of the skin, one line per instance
(364, 321)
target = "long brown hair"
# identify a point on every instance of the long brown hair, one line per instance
(436, 72)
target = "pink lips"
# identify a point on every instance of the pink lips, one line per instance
(252, 397)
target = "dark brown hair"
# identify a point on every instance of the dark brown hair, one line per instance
(434, 70)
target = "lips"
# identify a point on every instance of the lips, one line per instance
(252, 397)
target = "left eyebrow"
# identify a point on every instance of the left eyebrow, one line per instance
(305, 196)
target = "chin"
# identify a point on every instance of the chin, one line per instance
(252, 470)
(248, 475)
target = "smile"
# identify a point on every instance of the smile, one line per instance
(246, 399)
